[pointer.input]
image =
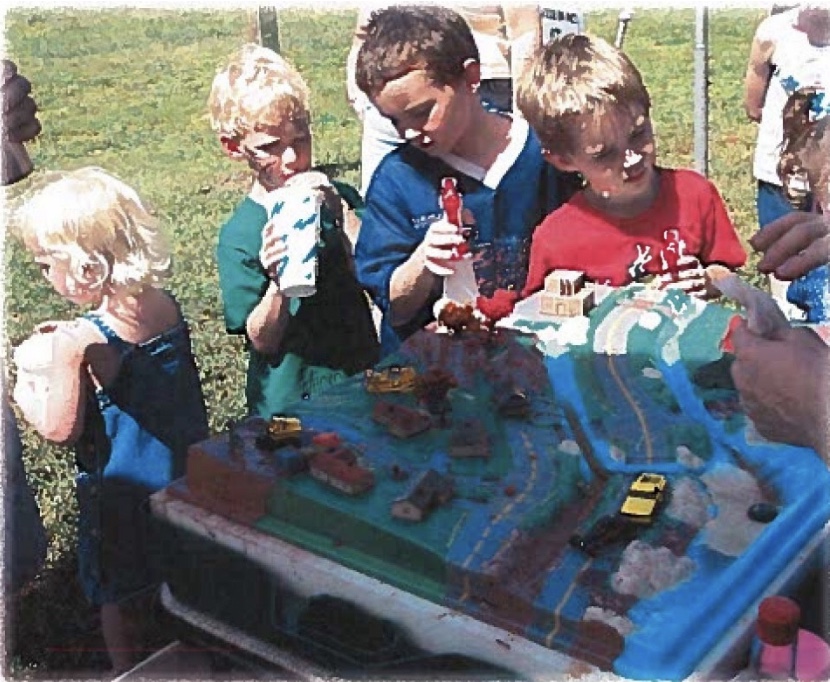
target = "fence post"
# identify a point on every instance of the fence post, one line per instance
(268, 27)
(701, 94)
(622, 27)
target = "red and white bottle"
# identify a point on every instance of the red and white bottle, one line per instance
(452, 203)
(783, 651)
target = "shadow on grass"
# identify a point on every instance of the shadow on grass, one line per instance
(53, 632)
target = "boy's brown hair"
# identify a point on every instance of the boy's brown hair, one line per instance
(805, 149)
(575, 75)
(402, 38)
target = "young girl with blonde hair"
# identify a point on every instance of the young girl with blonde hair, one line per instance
(118, 383)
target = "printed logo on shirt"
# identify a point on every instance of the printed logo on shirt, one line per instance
(422, 222)
(671, 258)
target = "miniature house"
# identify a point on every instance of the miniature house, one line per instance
(469, 439)
(430, 490)
(400, 420)
(566, 294)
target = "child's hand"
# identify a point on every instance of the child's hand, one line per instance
(273, 250)
(440, 242)
(692, 282)
(689, 276)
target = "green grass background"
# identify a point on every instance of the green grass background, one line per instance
(126, 89)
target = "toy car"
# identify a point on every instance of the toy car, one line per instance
(607, 531)
(390, 379)
(280, 431)
(644, 496)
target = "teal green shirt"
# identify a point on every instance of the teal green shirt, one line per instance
(329, 336)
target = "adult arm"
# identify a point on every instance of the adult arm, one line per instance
(783, 385)
(757, 75)
(357, 99)
(793, 245)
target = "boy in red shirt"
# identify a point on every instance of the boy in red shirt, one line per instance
(587, 103)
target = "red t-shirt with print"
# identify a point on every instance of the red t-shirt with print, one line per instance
(688, 218)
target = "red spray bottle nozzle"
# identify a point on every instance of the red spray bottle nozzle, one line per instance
(451, 202)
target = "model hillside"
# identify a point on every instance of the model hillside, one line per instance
(587, 482)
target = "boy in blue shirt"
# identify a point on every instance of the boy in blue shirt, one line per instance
(419, 66)
(297, 346)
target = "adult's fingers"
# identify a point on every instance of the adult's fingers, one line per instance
(15, 90)
(804, 246)
(9, 69)
(771, 233)
(814, 256)
(20, 123)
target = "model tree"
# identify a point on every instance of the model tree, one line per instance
(431, 389)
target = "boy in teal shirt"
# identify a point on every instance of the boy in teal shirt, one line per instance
(297, 346)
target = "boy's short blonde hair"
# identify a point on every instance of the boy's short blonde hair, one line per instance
(572, 76)
(256, 88)
(89, 217)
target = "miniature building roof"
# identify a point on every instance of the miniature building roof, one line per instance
(428, 489)
(564, 275)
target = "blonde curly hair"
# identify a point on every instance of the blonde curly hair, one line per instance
(88, 217)
(256, 88)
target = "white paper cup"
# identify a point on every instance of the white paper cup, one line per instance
(33, 359)
(296, 216)
(35, 353)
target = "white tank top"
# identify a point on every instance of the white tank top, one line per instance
(796, 64)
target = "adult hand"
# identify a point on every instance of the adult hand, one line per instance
(793, 245)
(20, 122)
(783, 385)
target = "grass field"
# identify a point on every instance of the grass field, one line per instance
(126, 90)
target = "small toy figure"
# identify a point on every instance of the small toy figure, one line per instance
(452, 203)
